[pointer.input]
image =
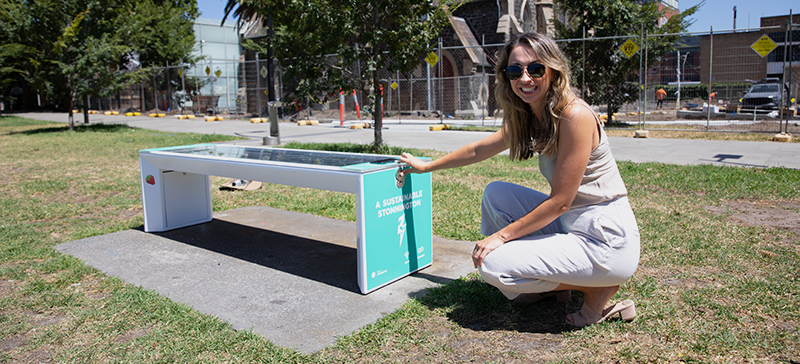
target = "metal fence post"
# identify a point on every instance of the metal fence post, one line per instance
(484, 80)
(710, 75)
(411, 93)
(227, 87)
(441, 84)
(258, 87)
(785, 100)
(399, 109)
(791, 60)
(641, 72)
(155, 92)
(168, 94)
(213, 86)
(583, 63)
(429, 86)
(182, 103)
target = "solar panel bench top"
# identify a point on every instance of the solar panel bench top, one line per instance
(393, 212)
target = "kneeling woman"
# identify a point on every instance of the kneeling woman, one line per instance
(583, 236)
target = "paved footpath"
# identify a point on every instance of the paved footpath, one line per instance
(416, 134)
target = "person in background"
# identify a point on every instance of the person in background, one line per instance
(583, 236)
(660, 94)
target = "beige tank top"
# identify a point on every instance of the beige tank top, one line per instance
(601, 181)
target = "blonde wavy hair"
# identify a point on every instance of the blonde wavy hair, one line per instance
(525, 133)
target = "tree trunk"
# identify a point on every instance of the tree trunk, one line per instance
(71, 118)
(86, 111)
(377, 110)
(377, 113)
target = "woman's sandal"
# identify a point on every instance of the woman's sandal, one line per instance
(587, 316)
(561, 297)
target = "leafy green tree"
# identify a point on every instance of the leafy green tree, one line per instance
(320, 41)
(160, 31)
(84, 63)
(609, 77)
(67, 50)
(27, 34)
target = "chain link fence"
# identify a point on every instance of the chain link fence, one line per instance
(703, 81)
(716, 81)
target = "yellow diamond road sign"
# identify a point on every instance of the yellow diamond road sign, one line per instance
(432, 59)
(764, 45)
(629, 48)
(394, 85)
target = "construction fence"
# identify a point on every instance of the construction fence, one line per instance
(702, 81)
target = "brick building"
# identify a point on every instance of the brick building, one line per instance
(467, 65)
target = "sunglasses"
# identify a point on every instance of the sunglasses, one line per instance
(535, 70)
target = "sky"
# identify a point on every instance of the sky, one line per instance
(213, 9)
(713, 13)
(719, 13)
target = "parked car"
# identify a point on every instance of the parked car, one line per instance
(765, 95)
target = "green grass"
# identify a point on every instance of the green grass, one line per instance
(714, 283)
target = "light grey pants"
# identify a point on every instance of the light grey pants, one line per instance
(592, 246)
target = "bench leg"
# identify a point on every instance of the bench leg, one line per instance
(172, 199)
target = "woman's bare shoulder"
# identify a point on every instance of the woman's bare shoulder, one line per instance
(578, 111)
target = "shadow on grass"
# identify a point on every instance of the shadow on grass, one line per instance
(478, 306)
(83, 128)
(619, 125)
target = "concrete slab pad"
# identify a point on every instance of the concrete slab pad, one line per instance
(288, 276)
